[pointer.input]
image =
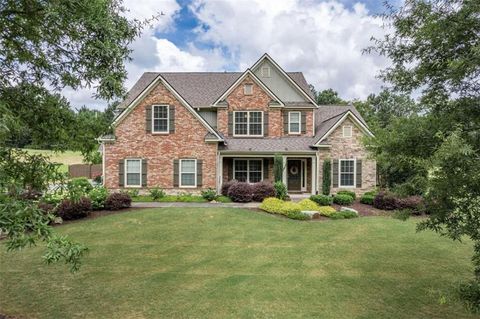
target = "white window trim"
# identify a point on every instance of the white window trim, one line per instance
(354, 173)
(126, 172)
(248, 124)
(153, 119)
(267, 74)
(343, 130)
(248, 167)
(299, 123)
(180, 173)
(245, 88)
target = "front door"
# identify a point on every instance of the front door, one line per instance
(294, 175)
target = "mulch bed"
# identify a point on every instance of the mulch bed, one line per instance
(362, 209)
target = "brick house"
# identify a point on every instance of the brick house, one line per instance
(184, 132)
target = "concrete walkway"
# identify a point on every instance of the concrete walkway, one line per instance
(197, 205)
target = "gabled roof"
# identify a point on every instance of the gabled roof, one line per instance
(199, 89)
(160, 79)
(239, 80)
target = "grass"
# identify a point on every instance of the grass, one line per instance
(234, 263)
(65, 158)
(179, 198)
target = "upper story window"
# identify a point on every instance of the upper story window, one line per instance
(265, 72)
(294, 122)
(133, 172)
(347, 173)
(347, 131)
(248, 89)
(248, 123)
(160, 119)
(188, 173)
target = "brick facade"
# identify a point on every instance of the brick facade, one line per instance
(348, 148)
(132, 141)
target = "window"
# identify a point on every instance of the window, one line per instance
(248, 89)
(294, 122)
(188, 173)
(265, 72)
(248, 170)
(248, 123)
(347, 173)
(160, 118)
(347, 131)
(133, 176)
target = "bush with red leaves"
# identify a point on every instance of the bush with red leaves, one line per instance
(69, 209)
(262, 190)
(385, 201)
(226, 186)
(117, 201)
(414, 203)
(240, 192)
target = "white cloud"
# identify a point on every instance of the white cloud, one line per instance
(322, 39)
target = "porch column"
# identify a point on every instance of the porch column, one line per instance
(284, 178)
(219, 173)
(314, 175)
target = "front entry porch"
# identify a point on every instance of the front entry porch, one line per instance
(299, 170)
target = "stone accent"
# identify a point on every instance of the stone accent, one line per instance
(346, 148)
(132, 141)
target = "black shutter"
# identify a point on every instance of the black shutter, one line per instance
(359, 173)
(265, 168)
(265, 123)
(171, 117)
(148, 119)
(199, 172)
(304, 122)
(121, 173)
(230, 123)
(144, 172)
(175, 173)
(285, 122)
(335, 173)
(230, 169)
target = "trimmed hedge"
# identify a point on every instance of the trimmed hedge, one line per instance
(226, 187)
(307, 204)
(343, 199)
(322, 200)
(277, 206)
(262, 190)
(241, 192)
(367, 199)
(326, 210)
(117, 201)
(385, 201)
(347, 192)
(343, 214)
(70, 210)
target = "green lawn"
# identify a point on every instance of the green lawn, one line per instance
(65, 158)
(234, 263)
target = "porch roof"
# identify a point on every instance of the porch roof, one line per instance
(280, 144)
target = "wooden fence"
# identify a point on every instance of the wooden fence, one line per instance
(85, 170)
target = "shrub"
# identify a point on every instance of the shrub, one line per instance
(223, 199)
(280, 190)
(385, 201)
(240, 192)
(54, 198)
(263, 190)
(371, 193)
(470, 294)
(69, 209)
(80, 183)
(367, 199)
(343, 214)
(117, 201)
(278, 168)
(322, 200)
(131, 192)
(156, 193)
(327, 171)
(226, 187)
(278, 206)
(413, 203)
(343, 199)
(346, 192)
(97, 196)
(209, 194)
(307, 204)
(326, 210)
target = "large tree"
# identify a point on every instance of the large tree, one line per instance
(329, 97)
(434, 49)
(46, 46)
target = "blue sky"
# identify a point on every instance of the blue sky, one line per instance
(323, 39)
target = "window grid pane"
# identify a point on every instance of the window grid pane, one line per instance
(347, 170)
(188, 166)
(241, 120)
(133, 172)
(188, 179)
(294, 122)
(255, 123)
(160, 118)
(255, 171)
(241, 170)
(188, 171)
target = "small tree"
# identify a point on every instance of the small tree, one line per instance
(327, 181)
(278, 168)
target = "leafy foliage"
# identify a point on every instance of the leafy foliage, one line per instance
(327, 176)
(69, 209)
(308, 204)
(328, 97)
(322, 200)
(209, 194)
(226, 186)
(277, 206)
(343, 199)
(343, 214)
(98, 195)
(116, 201)
(156, 193)
(280, 190)
(262, 190)
(367, 199)
(347, 192)
(326, 210)
(241, 192)
(278, 167)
